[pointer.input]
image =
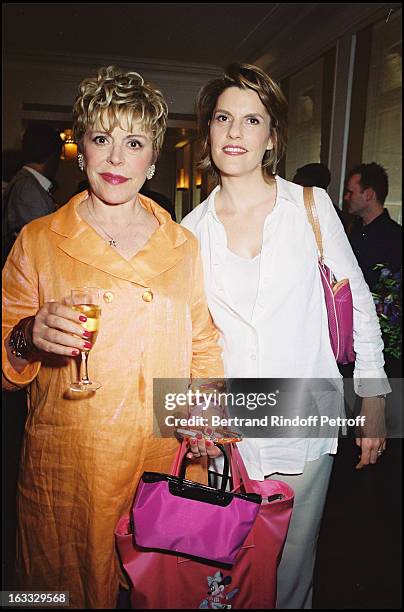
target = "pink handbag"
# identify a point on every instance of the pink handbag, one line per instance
(338, 296)
(162, 580)
(173, 514)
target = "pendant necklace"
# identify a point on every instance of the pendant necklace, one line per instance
(112, 242)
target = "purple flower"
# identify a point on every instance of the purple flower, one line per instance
(384, 273)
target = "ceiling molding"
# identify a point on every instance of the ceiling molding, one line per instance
(34, 77)
(77, 64)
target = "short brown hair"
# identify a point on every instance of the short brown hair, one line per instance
(374, 176)
(115, 97)
(244, 76)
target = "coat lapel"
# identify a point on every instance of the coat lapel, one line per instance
(162, 252)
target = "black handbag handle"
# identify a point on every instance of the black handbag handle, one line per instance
(225, 475)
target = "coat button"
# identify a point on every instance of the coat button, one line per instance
(147, 296)
(108, 297)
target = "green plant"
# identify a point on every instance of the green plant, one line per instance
(387, 298)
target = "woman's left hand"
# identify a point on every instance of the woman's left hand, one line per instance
(372, 440)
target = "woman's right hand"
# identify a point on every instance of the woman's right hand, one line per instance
(200, 447)
(58, 329)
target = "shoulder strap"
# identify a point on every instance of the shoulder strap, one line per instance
(313, 217)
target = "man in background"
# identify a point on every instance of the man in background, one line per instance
(375, 237)
(27, 195)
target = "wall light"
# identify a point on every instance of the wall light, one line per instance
(182, 181)
(198, 178)
(181, 144)
(70, 148)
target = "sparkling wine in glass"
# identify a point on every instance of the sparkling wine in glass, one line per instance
(86, 300)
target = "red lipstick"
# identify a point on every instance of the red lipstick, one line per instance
(113, 179)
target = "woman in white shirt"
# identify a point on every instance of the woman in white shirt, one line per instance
(265, 295)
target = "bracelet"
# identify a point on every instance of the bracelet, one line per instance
(20, 341)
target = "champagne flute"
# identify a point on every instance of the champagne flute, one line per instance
(86, 300)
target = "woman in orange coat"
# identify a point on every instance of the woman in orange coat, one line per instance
(84, 452)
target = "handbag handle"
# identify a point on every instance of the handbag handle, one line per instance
(239, 471)
(179, 465)
(225, 475)
(179, 457)
(313, 217)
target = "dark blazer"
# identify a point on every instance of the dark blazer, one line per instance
(379, 242)
(24, 199)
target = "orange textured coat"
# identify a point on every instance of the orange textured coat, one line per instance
(83, 456)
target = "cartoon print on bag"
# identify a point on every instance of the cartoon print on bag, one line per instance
(216, 595)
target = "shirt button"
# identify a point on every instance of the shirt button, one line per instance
(108, 297)
(147, 296)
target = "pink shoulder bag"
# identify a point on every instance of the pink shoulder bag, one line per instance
(338, 296)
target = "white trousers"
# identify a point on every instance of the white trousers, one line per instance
(295, 571)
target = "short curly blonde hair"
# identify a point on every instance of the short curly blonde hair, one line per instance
(244, 76)
(118, 98)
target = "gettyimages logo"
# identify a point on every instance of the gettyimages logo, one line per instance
(250, 401)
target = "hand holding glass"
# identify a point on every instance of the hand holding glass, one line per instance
(86, 300)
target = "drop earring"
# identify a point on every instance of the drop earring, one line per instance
(80, 161)
(150, 172)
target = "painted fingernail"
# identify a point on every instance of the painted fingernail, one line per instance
(193, 441)
(209, 430)
(199, 436)
(209, 443)
(75, 353)
(83, 318)
(186, 439)
(87, 345)
(86, 334)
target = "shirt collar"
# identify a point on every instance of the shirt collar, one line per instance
(287, 190)
(211, 201)
(163, 251)
(42, 180)
(68, 222)
(380, 219)
(384, 216)
(284, 191)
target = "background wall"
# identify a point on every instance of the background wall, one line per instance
(339, 64)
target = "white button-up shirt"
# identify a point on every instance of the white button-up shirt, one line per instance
(287, 336)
